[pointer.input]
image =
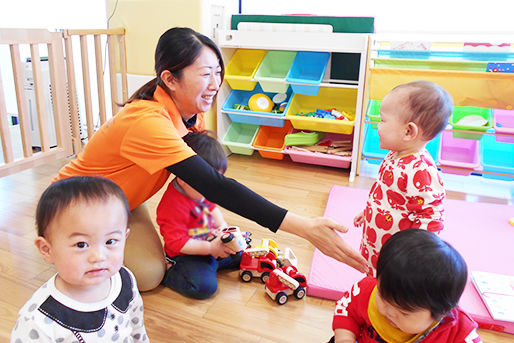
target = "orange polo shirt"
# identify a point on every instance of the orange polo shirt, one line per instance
(134, 147)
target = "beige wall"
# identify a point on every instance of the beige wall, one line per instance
(145, 21)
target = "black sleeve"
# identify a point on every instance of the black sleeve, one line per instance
(228, 193)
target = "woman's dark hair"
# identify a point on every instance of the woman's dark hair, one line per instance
(205, 144)
(61, 194)
(418, 270)
(177, 48)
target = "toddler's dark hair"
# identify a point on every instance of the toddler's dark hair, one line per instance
(205, 144)
(418, 270)
(61, 194)
(430, 106)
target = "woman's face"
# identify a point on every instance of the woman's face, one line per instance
(195, 90)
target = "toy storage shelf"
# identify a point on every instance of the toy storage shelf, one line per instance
(248, 50)
(469, 76)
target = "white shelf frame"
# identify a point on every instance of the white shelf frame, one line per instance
(230, 40)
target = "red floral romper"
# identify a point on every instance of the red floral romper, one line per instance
(408, 193)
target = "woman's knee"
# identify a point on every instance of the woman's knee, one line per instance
(148, 275)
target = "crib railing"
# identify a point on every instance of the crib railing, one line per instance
(115, 48)
(35, 39)
(64, 137)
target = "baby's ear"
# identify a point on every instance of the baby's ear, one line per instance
(412, 131)
(44, 248)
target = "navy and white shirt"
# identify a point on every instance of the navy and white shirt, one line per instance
(51, 316)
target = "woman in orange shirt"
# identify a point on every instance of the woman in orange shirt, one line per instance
(140, 146)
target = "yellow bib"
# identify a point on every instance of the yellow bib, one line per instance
(382, 326)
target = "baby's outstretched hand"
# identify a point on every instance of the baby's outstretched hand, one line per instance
(359, 219)
(219, 249)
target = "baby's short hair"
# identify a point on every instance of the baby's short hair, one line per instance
(59, 195)
(205, 144)
(418, 270)
(430, 106)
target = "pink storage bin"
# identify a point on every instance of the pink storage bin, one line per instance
(320, 158)
(504, 123)
(458, 152)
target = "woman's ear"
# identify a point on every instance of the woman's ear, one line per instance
(44, 248)
(168, 79)
(412, 131)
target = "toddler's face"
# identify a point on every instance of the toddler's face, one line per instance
(392, 125)
(86, 242)
(412, 322)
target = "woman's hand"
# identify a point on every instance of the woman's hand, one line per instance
(359, 219)
(321, 232)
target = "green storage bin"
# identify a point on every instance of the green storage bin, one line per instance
(460, 112)
(242, 68)
(373, 112)
(239, 138)
(273, 70)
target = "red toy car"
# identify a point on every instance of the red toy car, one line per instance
(257, 262)
(285, 281)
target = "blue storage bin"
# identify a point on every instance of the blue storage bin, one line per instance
(308, 67)
(242, 97)
(497, 157)
(433, 148)
(371, 147)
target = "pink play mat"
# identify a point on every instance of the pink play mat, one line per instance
(479, 231)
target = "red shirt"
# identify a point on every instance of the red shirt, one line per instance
(181, 218)
(351, 313)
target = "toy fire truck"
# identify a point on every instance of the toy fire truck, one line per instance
(285, 281)
(259, 261)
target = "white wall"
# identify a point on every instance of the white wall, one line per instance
(404, 16)
(52, 15)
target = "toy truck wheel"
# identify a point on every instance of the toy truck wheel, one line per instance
(264, 277)
(299, 293)
(281, 298)
(246, 276)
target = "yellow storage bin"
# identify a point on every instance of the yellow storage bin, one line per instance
(468, 88)
(341, 99)
(242, 68)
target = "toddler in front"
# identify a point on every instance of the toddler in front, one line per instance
(82, 228)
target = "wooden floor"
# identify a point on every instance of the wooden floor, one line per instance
(239, 312)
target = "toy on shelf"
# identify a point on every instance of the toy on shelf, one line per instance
(235, 239)
(285, 281)
(328, 146)
(259, 261)
(331, 113)
(260, 102)
(303, 138)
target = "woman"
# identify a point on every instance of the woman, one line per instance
(142, 145)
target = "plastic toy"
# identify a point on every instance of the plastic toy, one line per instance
(285, 281)
(259, 261)
(472, 120)
(287, 258)
(260, 102)
(235, 239)
(303, 138)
